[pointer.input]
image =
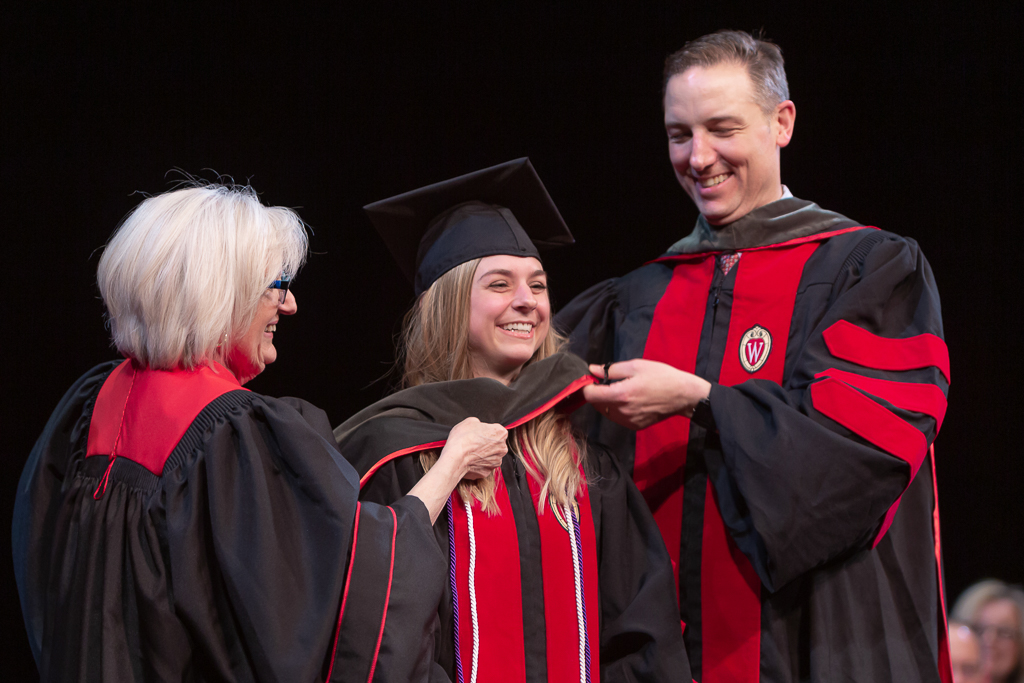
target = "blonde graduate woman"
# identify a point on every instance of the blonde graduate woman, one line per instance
(556, 570)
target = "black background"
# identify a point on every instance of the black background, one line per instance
(908, 119)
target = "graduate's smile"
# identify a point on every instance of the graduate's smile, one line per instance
(509, 315)
(519, 330)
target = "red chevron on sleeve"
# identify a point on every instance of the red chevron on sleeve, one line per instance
(876, 424)
(920, 398)
(873, 422)
(855, 344)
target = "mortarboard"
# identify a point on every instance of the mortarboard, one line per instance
(504, 209)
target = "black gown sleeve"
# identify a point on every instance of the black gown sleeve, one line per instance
(40, 484)
(795, 487)
(589, 321)
(393, 480)
(390, 482)
(641, 635)
(291, 547)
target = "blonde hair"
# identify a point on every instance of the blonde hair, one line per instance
(980, 594)
(185, 270)
(435, 348)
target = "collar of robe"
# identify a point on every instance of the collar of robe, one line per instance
(779, 221)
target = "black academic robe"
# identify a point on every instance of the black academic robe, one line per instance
(224, 542)
(639, 629)
(799, 507)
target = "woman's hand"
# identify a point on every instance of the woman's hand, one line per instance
(476, 448)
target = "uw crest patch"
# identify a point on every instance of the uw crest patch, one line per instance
(755, 345)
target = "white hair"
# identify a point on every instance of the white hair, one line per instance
(184, 272)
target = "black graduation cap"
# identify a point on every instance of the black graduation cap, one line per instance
(504, 209)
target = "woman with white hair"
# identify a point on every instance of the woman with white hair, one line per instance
(995, 611)
(172, 525)
(557, 571)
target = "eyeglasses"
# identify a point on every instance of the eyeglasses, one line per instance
(965, 670)
(998, 632)
(282, 287)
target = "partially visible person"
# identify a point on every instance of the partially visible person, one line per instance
(965, 654)
(995, 611)
(171, 525)
(557, 570)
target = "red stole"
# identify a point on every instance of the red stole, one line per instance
(764, 295)
(498, 603)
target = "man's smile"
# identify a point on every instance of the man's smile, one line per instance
(713, 180)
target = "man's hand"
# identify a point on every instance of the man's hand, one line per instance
(648, 392)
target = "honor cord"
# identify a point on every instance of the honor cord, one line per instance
(454, 587)
(472, 592)
(576, 542)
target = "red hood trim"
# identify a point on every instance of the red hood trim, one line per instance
(565, 393)
(141, 414)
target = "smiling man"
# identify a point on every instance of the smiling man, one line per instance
(777, 379)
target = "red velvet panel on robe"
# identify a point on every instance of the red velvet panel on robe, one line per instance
(765, 290)
(497, 602)
(661, 449)
(764, 294)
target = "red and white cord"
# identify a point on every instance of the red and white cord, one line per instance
(472, 592)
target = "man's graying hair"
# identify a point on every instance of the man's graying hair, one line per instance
(762, 59)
